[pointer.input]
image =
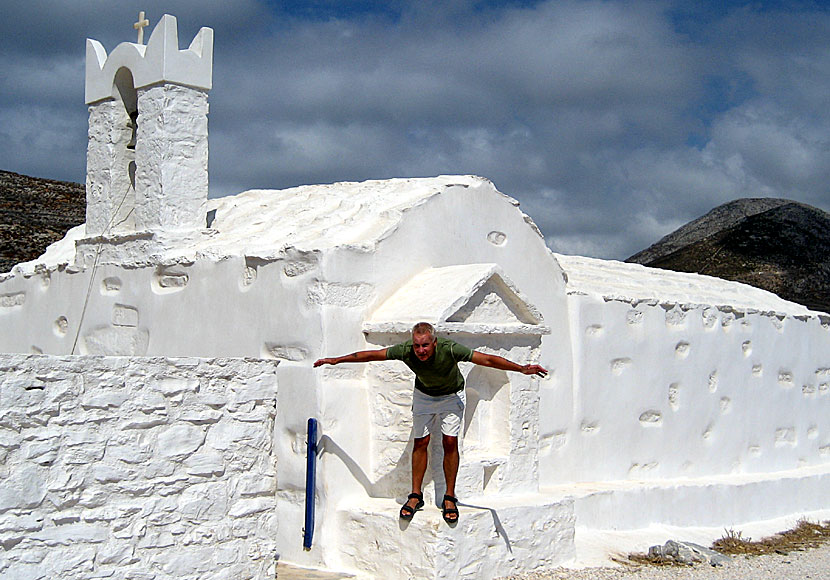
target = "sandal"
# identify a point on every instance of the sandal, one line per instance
(446, 512)
(408, 511)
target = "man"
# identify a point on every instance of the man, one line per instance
(439, 394)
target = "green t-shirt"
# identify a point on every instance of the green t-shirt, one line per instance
(438, 375)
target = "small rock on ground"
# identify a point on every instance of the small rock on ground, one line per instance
(808, 565)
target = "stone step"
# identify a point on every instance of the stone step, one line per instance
(290, 572)
(495, 536)
(718, 500)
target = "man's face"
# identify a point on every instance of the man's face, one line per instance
(423, 345)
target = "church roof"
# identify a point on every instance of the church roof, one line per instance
(612, 280)
(263, 223)
(318, 217)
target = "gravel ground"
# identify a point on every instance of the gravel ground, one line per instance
(808, 565)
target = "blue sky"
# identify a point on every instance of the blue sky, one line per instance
(612, 122)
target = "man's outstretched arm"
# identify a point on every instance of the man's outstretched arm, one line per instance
(356, 357)
(501, 363)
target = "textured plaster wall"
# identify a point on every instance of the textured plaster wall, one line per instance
(161, 184)
(127, 467)
(665, 391)
(171, 158)
(180, 309)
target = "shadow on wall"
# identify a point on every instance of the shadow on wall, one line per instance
(496, 522)
(373, 489)
(327, 445)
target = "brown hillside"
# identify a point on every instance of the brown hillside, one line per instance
(35, 213)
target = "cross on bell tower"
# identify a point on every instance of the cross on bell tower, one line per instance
(142, 22)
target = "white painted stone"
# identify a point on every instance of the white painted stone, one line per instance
(254, 485)
(171, 180)
(155, 539)
(246, 507)
(172, 386)
(12, 300)
(205, 464)
(492, 540)
(70, 534)
(23, 523)
(23, 488)
(101, 400)
(635, 283)
(201, 502)
(259, 391)
(226, 434)
(110, 474)
(294, 353)
(189, 561)
(115, 553)
(201, 416)
(116, 341)
(123, 315)
(69, 562)
(180, 440)
(108, 185)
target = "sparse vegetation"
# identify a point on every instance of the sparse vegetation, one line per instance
(804, 536)
(650, 560)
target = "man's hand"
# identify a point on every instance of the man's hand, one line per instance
(537, 370)
(501, 363)
(325, 361)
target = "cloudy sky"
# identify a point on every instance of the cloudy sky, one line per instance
(612, 122)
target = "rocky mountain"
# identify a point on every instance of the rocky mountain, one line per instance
(776, 244)
(35, 213)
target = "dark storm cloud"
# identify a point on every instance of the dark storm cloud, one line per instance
(612, 122)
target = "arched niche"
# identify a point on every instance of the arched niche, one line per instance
(487, 415)
(123, 192)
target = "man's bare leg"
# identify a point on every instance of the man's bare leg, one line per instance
(450, 468)
(419, 467)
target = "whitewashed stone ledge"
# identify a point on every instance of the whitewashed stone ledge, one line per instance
(404, 328)
(135, 467)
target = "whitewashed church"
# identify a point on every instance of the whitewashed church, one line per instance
(156, 371)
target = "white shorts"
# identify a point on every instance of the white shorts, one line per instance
(428, 411)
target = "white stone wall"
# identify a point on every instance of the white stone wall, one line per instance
(205, 309)
(665, 391)
(122, 467)
(171, 158)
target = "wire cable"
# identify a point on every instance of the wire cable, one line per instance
(95, 264)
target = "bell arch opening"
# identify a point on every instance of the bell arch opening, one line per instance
(123, 191)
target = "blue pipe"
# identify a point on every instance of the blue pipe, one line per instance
(310, 482)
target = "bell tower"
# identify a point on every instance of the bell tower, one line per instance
(147, 154)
